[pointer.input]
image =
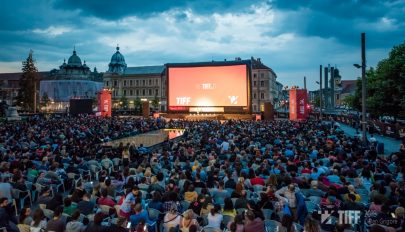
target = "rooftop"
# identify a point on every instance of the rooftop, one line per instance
(348, 86)
(141, 70)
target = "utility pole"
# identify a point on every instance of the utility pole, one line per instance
(320, 92)
(363, 85)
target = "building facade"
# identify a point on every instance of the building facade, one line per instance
(148, 83)
(130, 85)
(72, 80)
(264, 87)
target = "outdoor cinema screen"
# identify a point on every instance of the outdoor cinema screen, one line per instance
(208, 86)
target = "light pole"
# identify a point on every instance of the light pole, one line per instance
(363, 85)
(320, 98)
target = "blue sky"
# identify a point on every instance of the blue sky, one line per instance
(293, 37)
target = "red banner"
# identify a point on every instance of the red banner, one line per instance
(104, 103)
(298, 104)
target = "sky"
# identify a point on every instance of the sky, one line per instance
(293, 37)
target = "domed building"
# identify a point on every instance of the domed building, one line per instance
(132, 84)
(73, 79)
(117, 64)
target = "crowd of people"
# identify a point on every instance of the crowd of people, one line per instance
(220, 175)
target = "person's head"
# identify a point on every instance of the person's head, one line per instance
(238, 219)
(351, 197)
(98, 218)
(291, 187)
(190, 188)
(67, 202)
(58, 211)
(138, 208)
(228, 204)
(311, 225)
(86, 197)
(188, 214)
(135, 190)
(314, 184)
(193, 228)
(75, 215)
(400, 212)
(156, 196)
(121, 222)
(232, 227)
(216, 209)
(287, 221)
(3, 202)
(250, 215)
(104, 193)
(25, 212)
(38, 216)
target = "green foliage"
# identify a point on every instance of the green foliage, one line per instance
(137, 105)
(155, 102)
(124, 102)
(317, 101)
(45, 100)
(29, 82)
(386, 85)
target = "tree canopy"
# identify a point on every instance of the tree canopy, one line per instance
(28, 84)
(385, 86)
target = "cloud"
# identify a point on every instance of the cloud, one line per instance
(53, 31)
(292, 37)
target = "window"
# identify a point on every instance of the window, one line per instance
(157, 81)
(261, 107)
(106, 83)
(115, 83)
(262, 75)
(143, 82)
(254, 83)
(254, 75)
(150, 82)
(337, 96)
(136, 82)
(156, 92)
(131, 92)
(143, 92)
(262, 83)
(125, 92)
(261, 95)
(254, 96)
(137, 92)
(254, 107)
(131, 83)
(150, 92)
(125, 83)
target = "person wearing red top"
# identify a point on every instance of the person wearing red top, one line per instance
(105, 200)
(257, 180)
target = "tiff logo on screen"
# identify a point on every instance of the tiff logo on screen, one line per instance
(208, 86)
(183, 100)
(345, 217)
(233, 99)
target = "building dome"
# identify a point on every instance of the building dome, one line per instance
(74, 60)
(117, 63)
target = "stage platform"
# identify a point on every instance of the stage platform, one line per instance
(148, 139)
(208, 116)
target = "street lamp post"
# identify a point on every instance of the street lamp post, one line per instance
(363, 86)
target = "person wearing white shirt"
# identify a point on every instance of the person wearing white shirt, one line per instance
(214, 217)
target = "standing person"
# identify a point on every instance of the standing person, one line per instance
(56, 224)
(5, 189)
(125, 157)
(125, 209)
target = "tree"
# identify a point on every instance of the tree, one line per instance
(27, 97)
(386, 85)
(45, 100)
(124, 102)
(137, 105)
(155, 103)
(317, 101)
